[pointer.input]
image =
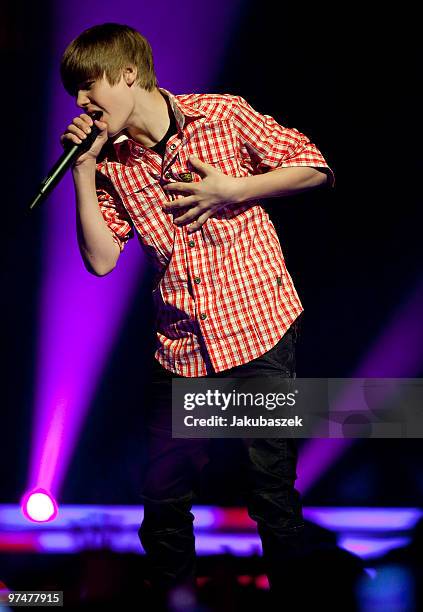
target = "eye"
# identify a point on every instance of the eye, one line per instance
(85, 85)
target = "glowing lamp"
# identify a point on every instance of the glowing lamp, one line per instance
(39, 506)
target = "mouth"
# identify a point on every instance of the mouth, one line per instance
(95, 113)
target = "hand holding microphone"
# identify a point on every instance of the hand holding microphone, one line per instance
(82, 142)
(88, 133)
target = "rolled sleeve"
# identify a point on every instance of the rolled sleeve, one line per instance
(269, 145)
(113, 211)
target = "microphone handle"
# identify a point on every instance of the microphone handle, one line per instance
(70, 153)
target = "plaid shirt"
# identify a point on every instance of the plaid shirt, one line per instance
(223, 295)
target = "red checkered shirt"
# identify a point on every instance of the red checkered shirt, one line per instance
(223, 295)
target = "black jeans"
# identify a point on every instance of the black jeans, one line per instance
(173, 472)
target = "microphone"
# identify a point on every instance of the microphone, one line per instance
(72, 151)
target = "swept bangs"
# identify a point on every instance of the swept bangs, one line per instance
(105, 50)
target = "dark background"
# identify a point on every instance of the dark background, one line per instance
(349, 81)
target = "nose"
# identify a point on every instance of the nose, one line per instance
(82, 99)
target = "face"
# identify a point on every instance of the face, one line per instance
(115, 101)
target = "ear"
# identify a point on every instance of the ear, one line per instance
(130, 74)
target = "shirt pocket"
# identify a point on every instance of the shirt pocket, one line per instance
(213, 143)
(143, 194)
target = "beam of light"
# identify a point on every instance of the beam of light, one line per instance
(80, 316)
(397, 353)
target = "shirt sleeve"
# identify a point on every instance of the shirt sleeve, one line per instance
(113, 211)
(266, 145)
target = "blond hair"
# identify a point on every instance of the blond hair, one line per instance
(107, 49)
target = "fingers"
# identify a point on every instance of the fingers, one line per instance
(85, 118)
(186, 217)
(78, 130)
(71, 136)
(179, 203)
(174, 186)
(195, 225)
(88, 121)
(180, 187)
(101, 124)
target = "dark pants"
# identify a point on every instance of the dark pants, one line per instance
(174, 470)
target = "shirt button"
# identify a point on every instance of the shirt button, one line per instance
(191, 243)
(167, 175)
(203, 316)
(197, 279)
(172, 147)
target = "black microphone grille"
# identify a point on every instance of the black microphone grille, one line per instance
(96, 114)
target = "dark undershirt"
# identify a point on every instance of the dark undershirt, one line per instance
(160, 147)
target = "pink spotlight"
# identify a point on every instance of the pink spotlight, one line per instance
(39, 506)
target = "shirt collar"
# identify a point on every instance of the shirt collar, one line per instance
(181, 110)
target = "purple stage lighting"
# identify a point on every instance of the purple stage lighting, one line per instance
(397, 353)
(39, 506)
(80, 316)
(367, 532)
